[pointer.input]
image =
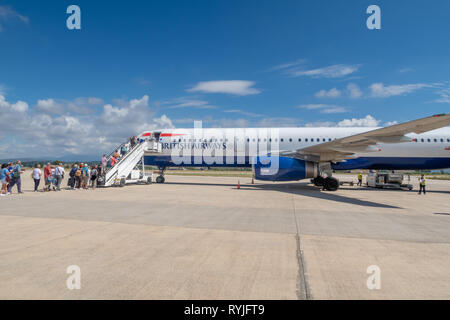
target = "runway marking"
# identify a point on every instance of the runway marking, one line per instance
(303, 291)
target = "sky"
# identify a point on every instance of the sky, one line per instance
(141, 65)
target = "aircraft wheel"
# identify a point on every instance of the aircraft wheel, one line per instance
(318, 181)
(122, 182)
(331, 184)
(149, 180)
(160, 179)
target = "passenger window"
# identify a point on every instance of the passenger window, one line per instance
(435, 140)
(290, 139)
(299, 140)
(306, 140)
(281, 140)
(248, 140)
(429, 140)
(329, 139)
(442, 140)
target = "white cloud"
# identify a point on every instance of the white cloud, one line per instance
(93, 101)
(444, 96)
(334, 71)
(332, 93)
(235, 87)
(187, 102)
(289, 65)
(49, 106)
(245, 113)
(7, 13)
(51, 135)
(354, 91)
(2, 90)
(59, 106)
(390, 123)
(324, 108)
(379, 90)
(368, 121)
(6, 107)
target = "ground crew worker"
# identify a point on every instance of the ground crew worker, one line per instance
(422, 184)
(359, 179)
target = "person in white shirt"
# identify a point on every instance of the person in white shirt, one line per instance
(37, 173)
(59, 175)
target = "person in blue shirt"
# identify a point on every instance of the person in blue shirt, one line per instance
(4, 172)
(15, 178)
(85, 176)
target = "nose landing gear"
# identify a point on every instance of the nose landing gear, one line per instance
(160, 178)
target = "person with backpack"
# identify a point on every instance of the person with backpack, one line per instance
(78, 177)
(94, 176)
(85, 176)
(72, 172)
(17, 171)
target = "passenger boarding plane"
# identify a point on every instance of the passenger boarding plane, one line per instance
(292, 154)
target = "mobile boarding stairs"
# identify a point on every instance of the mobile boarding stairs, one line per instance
(130, 167)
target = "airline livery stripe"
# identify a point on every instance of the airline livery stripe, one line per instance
(171, 134)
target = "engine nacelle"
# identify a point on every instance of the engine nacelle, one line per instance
(284, 169)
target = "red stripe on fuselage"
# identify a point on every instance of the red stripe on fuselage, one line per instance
(171, 134)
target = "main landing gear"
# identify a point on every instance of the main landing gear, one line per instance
(329, 183)
(160, 178)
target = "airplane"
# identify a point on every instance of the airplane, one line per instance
(293, 154)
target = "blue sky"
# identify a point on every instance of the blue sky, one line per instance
(149, 64)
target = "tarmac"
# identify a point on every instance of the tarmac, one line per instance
(202, 238)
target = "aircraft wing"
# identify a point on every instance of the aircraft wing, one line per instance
(345, 148)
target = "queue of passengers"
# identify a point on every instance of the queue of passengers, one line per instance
(80, 176)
